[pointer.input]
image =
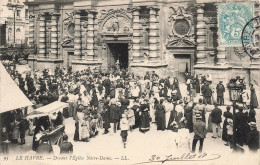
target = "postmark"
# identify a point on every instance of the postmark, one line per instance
(232, 17)
(249, 43)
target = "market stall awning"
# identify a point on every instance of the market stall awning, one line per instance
(48, 109)
(11, 97)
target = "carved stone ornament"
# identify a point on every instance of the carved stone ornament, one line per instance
(115, 21)
(240, 52)
(181, 29)
(68, 24)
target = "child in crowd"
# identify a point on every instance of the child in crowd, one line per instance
(4, 141)
(85, 131)
(184, 135)
(124, 124)
(175, 135)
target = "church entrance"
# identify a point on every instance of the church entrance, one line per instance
(183, 65)
(117, 52)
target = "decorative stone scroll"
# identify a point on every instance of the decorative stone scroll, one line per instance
(68, 28)
(181, 29)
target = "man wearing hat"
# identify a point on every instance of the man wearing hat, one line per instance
(253, 138)
(200, 131)
(216, 120)
(220, 93)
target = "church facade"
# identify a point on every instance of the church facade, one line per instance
(169, 36)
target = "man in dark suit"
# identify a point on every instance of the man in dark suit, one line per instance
(216, 120)
(241, 127)
(66, 147)
(200, 131)
(220, 93)
(44, 147)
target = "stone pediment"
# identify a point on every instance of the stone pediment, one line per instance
(115, 21)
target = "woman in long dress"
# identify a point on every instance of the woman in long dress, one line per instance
(130, 117)
(179, 112)
(160, 116)
(208, 122)
(168, 108)
(253, 98)
(144, 117)
(78, 124)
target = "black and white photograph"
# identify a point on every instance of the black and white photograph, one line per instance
(130, 82)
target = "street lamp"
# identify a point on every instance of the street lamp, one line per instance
(234, 96)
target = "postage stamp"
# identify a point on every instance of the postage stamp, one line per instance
(232, 18)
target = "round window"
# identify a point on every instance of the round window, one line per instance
(181, 27)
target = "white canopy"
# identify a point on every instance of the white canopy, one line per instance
(11, 97)
(48, 109)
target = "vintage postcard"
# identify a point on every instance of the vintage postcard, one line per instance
(129, 82)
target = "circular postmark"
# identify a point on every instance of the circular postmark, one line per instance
(249, 42)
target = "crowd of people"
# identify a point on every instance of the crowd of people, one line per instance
(119, 100)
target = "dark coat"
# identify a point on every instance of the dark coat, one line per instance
(144, 117)
(44, 148)
(106, 83)
(199, 129)
(216, 116)
(197, 84)
(160, 117)
(114, 113)
(224, 131)
(253, 140)
(106, 118)
(66, 147)
(207, 91)
(188, 115)
(253, 100)
(220, 90)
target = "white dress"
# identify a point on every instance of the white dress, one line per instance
(184, 139)
(168, 108)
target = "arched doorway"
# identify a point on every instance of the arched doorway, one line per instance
(115, 38)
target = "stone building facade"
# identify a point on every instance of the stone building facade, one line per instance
(13, 23)
(168, 36)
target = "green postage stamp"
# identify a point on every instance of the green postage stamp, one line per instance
(232, 18)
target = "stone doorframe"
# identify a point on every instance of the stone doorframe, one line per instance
(116, 38)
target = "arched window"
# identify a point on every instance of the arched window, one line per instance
(146, 37)
(18, 30)
(212, 37)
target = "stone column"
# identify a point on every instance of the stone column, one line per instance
(221, 56)
(136, 34)
(201, 35)
(153, 33)
(90, 35)
(77, 35)
(96, 55)
(31, 29)
(54, 35)
(42, 36)
(257, 23)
